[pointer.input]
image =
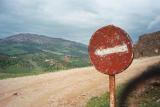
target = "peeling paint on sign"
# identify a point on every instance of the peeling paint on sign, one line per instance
(116, 49)
(110, 50)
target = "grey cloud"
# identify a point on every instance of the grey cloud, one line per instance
(77, 20)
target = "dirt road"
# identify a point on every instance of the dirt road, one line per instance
(69, 88)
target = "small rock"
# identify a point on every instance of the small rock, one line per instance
(158, 101)
(16, 93)
(83, 95)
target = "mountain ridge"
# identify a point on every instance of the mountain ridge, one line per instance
(21, 37)
(30, 53)
(41, 42)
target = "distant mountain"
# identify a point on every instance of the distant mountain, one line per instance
(28, 53)
(148, 45)
(28, 43)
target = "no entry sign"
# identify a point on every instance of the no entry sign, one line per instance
(110, 50)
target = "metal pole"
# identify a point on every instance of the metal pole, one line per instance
(112, 91)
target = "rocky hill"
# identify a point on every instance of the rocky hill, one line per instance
(148, 45)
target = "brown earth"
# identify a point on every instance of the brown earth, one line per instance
(69, 88)
(147, 45)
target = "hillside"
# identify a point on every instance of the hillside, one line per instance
(29, 43)
(148, 45)
(28, 53)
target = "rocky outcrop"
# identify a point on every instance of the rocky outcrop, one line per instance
(147, 45)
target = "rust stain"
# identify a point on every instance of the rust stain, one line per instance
(101, 46)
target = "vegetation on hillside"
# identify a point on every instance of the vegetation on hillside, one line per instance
(26, 54)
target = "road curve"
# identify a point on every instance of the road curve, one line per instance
(68, 88)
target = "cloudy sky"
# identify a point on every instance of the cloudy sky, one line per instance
(77, 20)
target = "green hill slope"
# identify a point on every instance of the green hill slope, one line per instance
(32, 53)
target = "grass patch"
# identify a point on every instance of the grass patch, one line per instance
(12, 75)
(103, 101)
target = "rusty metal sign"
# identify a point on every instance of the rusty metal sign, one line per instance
(110, 50)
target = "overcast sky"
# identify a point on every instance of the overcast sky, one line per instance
(77, 20)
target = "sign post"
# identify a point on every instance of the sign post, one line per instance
(112, 94)
(110, 51)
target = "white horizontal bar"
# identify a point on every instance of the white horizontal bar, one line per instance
(116, 49)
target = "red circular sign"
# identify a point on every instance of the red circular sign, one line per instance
(110, 50)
